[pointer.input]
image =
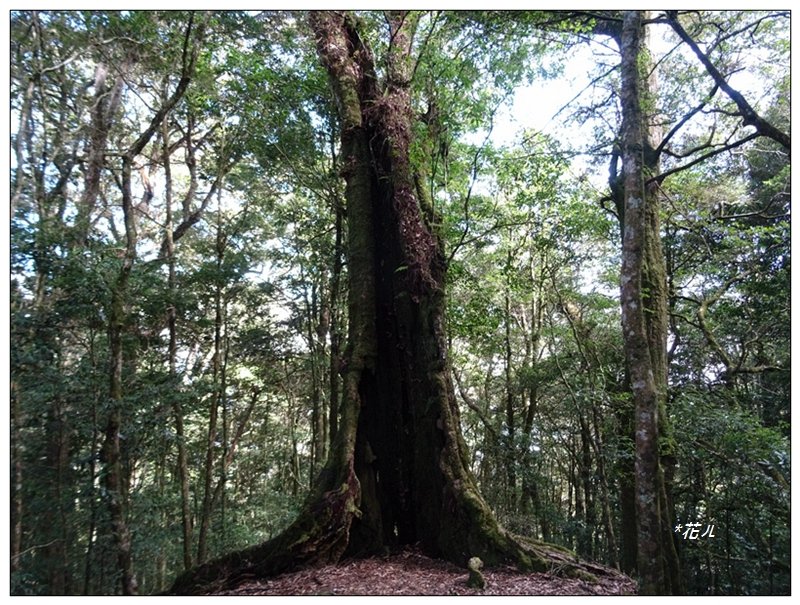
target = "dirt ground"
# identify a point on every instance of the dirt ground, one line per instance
(412, 573)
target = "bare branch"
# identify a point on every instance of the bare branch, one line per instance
(660, 178)
(682, 122)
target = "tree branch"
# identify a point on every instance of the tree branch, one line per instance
(660, 177)
(749, 115)
(474, 406)
(682, 122)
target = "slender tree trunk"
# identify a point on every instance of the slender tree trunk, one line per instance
(56, 522)
(104, 106)
(644, 320)
(219, 493)
(16, 479)
(231, 449)
(215, 400)
(605, 498)
(93, 506)
(22, 141)
(114, 482)
(164, 518)
(586, 539)
(335, 360)
(177, 407)
(316, 329)
(509, 456)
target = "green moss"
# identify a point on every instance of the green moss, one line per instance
(580, 574)
(476, 579)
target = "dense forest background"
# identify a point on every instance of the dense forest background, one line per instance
(178, 277)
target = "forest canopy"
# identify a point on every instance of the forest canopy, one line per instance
(288, 287)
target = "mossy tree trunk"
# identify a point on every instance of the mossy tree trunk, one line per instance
(645, 316)
(398, 471)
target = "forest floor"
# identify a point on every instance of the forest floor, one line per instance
(409, 572)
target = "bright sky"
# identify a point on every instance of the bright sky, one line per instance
(535, 106)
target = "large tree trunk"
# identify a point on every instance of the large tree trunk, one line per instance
(398, 472)
(655, 301)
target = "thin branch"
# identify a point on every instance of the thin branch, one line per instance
(584, 89)
(36, 547)
(474, 406)
(731, 367)
(660, 177)
(754, 24)
(423, 47)
(749, 115)
(183, 83)
(682, 122)
(474, 178)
